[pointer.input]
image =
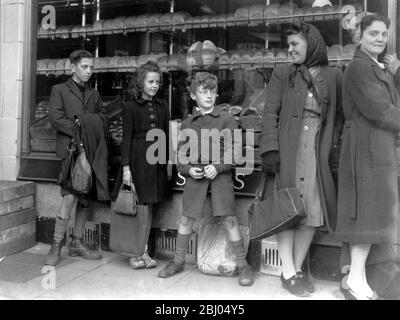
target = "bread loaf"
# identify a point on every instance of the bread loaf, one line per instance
(256, 11)
(98, 27)
(271, 11)
(242, 13)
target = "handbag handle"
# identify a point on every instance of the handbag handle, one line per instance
(261, 188)
(133, 191)
(277, 185)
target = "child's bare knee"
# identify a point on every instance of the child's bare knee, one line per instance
(187, 222)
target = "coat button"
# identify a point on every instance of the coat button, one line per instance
(306, 128)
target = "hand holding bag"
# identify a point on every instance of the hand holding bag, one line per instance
(127, 200)
(280, 211)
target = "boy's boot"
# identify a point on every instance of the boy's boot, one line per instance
(77, 248)
(53, 257)
(178, 264)
(246, 277)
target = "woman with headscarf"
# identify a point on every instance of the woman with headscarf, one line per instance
(368, 199)
(301, 127)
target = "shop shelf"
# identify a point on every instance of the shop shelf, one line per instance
(105, 27)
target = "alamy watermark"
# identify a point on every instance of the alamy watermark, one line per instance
(207, 146)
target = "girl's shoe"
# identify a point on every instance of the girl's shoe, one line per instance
(295, 286)
(306, 280)
(136, 263)
(149, 262)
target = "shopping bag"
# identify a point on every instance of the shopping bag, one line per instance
(127, 200)
(129, 233)
(214, 252)
(280, 211)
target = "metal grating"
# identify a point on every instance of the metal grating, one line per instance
(165, 245)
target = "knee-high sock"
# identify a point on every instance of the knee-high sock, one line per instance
(182, 244)
(81, 217)
(240, 252)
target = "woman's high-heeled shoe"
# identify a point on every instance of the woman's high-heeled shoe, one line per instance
(295, 286)
(349, 294)
(306, 280)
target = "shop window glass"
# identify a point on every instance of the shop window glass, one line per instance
(240, 41)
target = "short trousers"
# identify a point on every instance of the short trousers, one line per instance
(83, 200)
(222, 196)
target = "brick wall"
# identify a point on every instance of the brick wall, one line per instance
(12, 26)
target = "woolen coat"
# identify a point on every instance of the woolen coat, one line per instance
(65, 103)
(282, 124)
(139, 117)
(368, 201)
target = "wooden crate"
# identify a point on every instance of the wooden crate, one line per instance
(17, 216)
(17, 232)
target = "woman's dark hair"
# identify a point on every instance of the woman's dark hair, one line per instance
(137, 85)
(369, 19)
(301, 29)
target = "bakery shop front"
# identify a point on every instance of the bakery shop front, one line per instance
(240, 41)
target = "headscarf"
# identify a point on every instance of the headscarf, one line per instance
(317, 55)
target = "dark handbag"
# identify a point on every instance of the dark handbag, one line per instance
(280, 211)
(127, 200)
(129, 233)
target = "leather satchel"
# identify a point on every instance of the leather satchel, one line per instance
(64, 177)
(81, 175)
(280, 210)
(127, 200)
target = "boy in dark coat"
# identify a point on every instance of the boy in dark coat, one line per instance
(206, 169)
(69, 101)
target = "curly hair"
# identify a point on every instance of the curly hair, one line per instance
(205, 79)
(138, 81)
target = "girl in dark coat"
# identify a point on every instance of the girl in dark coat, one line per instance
(368, 201)
(301, 127)
(144, 113)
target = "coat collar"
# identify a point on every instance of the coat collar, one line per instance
(142, 101)
(89, 92)
(380, 73)
(215, 113)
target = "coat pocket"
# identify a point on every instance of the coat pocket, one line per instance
(382, 148)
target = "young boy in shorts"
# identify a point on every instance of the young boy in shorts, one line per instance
(206, 172)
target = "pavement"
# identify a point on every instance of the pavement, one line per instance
(111, 278)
